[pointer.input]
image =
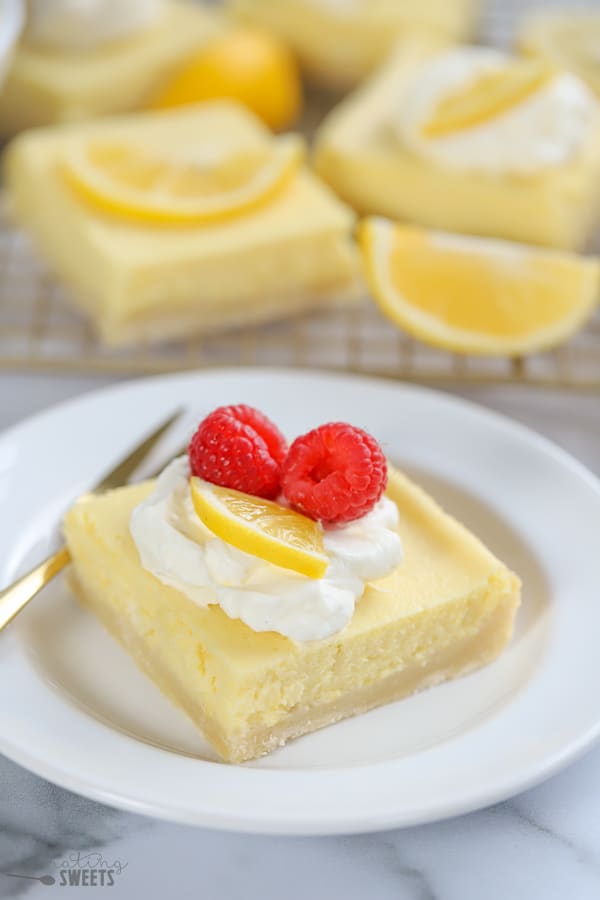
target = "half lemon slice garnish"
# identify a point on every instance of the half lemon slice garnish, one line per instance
(477, 295)
(261, 528)
(488, 96)
(198, 185)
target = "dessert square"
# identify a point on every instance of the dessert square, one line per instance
(507, 176)
(339, 43)
(447, 609)
(45, 85)
(151, 280)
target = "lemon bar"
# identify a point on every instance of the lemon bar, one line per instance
(45, 86)
(147, 280)
(338, 43)
(447, 609)
(504, 187)
(569, 38)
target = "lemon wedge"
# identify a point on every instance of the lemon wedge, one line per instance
(200, 184)
(261, 528)
(475, 295)
(488, 97)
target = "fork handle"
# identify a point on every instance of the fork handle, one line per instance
(15, 597)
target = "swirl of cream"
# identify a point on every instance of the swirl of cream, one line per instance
(175, 546)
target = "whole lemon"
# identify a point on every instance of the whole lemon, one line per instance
(246, 65)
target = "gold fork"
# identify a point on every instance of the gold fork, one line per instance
(16, 596)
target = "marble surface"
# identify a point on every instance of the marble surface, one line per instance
(542, 845)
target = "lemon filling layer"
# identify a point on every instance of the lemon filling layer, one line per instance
(176, 547)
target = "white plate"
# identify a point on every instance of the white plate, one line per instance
(74, 709)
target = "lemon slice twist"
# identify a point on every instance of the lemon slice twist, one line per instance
(489, 96)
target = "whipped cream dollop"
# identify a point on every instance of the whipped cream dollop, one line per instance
(547, 128)
(180, 551)
(79, 25)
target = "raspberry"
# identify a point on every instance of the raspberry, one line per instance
(335, 474)
(238, 447)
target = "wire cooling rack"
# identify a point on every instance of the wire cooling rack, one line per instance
(38, 329)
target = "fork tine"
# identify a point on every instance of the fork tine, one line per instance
(127, 466)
